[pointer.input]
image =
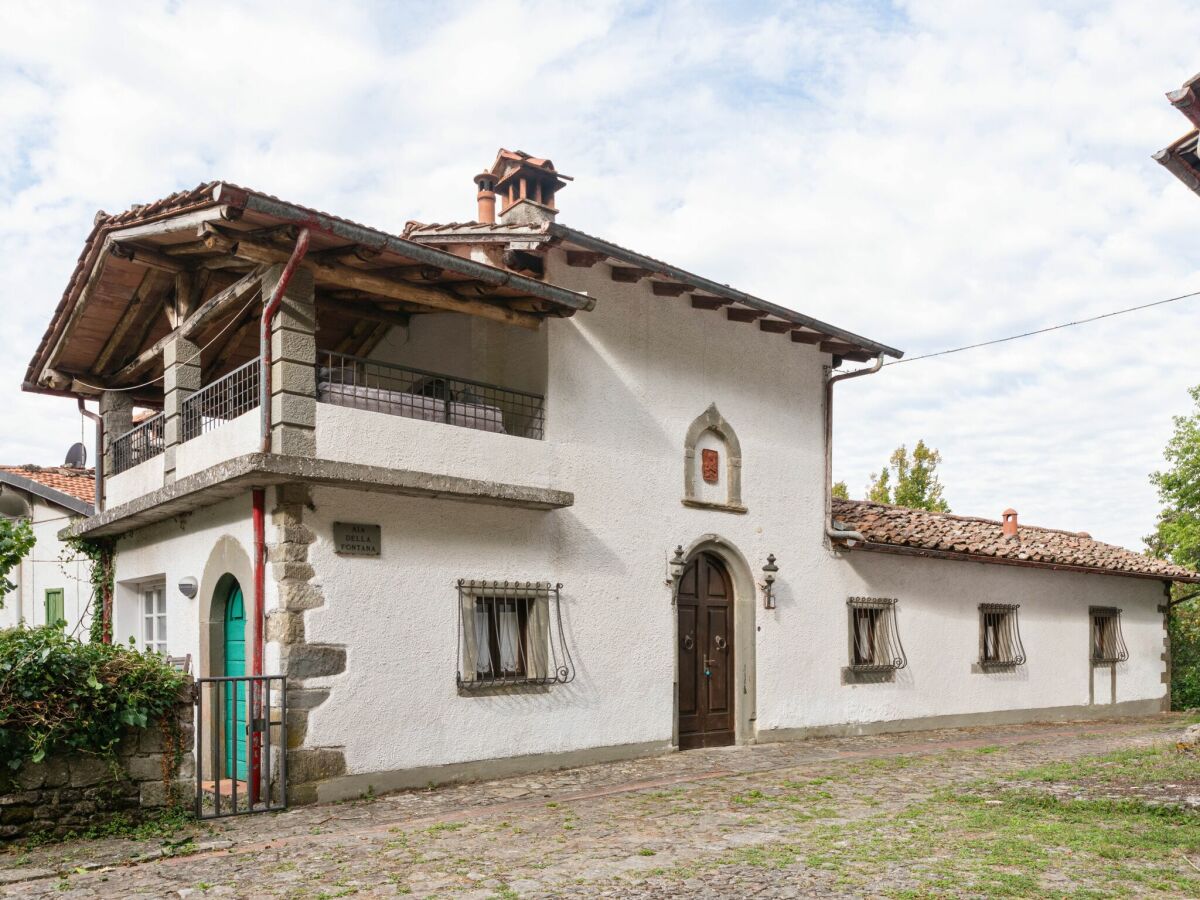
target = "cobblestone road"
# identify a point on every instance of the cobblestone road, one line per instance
(647, 828)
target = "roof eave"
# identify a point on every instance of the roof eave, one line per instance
(929, 553)
(421, 253)
(616, 251)
(66, 501)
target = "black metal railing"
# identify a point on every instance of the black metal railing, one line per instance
(1108, 643)
(511, 633)
(1000, 636)
(431, 396)
(137, 445)
(226, 398)
(874, 635)
(241, 766)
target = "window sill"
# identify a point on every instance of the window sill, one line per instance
(493, 690)
(722, 507)
(987, 668)
(868, 674)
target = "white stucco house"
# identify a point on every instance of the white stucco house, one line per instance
(513, 496)
(52, 583)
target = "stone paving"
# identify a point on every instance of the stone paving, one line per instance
(646, 828)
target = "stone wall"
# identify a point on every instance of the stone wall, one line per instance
(74, 792)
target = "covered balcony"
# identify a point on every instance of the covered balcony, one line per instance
(393, 357)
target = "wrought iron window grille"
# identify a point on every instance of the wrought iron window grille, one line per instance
(1108, 643)
(511, 633)
(1000, 645)
(874, 635)
(417, 394)
(226, 398)
(143, 442)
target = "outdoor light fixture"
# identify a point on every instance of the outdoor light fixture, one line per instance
(768, 585)
(188, 587)
(676, 565)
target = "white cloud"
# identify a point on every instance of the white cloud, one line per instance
(929, 176)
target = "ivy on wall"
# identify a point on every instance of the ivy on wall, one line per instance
(99, 551)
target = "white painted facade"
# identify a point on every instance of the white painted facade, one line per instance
(49, 566)
(623, 383)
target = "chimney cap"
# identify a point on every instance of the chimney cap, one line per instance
(1009, 523)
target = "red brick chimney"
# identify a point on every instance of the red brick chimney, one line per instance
(486, 197)
(1008, 520)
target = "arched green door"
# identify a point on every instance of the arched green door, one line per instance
(235, 692)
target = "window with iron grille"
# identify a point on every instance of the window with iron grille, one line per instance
(1108, 644)
(511, 633)
(999, 636)
(874, 636)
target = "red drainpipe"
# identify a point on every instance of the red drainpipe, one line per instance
(270, 308)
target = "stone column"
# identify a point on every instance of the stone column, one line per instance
(181, 379)
(116, 411)
(293, 365)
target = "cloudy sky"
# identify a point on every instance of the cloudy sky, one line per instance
(928, 174)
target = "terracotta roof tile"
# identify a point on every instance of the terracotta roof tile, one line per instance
(982, 538)
(77, 483)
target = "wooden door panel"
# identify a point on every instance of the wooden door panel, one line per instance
(689, 687)
(706, 664)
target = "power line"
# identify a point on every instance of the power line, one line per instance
(1017, 337)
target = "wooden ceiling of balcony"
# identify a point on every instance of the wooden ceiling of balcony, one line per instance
(198, 272)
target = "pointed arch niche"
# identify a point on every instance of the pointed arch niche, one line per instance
(712, 464)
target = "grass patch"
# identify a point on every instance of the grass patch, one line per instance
(1139, 765)
(1017, 843)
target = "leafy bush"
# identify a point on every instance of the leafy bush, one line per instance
(1185, 655)
(16, 539)
(58, 693)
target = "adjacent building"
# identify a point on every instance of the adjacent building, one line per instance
(501, 495)
(53, 584)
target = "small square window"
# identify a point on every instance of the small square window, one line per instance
(999, 637)
(510, 634)
(1108, 644)
(874, 637)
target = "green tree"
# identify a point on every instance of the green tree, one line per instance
(16, 540)
(1177, 534)
(916, 482)
(1177, 537)
(840, 491)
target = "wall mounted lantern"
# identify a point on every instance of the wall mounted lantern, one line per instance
(768, 584)
(188, 587)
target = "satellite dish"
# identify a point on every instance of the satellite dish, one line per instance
(76, 456)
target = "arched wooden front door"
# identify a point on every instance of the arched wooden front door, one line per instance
(235, 692)
(705, 641)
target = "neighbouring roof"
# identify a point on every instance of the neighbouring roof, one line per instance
(923, 533)
(668, 279)
(128, 257)
(73, 489)
(1180, 158)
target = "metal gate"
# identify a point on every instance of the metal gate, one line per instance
(241, 745)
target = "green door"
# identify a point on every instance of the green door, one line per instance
(235, 692)
(55, 610)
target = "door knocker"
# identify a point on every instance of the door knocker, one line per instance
(720, 642)
(688, 642)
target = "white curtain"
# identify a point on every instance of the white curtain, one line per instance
(508, 633)
(863, 627)
(483, 645)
